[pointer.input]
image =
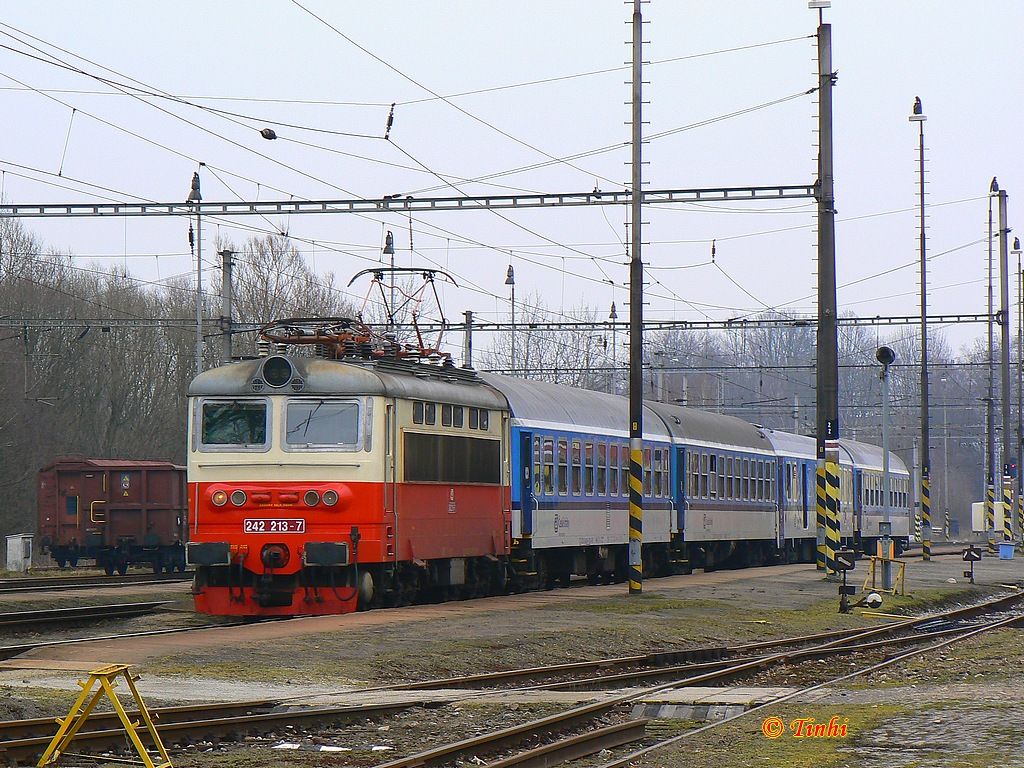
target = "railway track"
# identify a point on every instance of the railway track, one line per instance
(77, 614)
(26, 739)
(10, 651)
(563, 736)
(57, 583)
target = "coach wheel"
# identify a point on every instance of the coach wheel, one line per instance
(122, 567)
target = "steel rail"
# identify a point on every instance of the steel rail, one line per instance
(574, 747)
(58, 583)
(78, 613)
(10, 651)
(43, 726)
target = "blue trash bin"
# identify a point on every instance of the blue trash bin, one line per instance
(1006, 550)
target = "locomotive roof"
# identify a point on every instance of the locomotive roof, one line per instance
(693, 425)
(418, 381)
(544, 403)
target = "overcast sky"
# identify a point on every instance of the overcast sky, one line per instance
(275, 64)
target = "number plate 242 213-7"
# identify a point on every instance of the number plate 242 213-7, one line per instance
(274, 525)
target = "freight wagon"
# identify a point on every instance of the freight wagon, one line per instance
(116, 512)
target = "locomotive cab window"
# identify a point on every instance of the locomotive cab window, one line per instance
(322, 423)
(233, 424)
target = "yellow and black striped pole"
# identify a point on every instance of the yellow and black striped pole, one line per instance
(926, 515)
(820, 518)
(990, 518)
(1007, 509)
(832, 531)
(636, 517)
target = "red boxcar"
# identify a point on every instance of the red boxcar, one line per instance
(115, 511)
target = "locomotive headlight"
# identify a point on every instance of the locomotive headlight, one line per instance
(219, 498)
(312, 498)
(238, 497)
(330, 498)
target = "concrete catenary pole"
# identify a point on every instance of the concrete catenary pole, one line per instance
(1009, 459)
(636, 322)
(918, 117)
(827, 410)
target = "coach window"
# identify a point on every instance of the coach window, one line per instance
(693, 468)
(446, 415)
(648, 480)
(536, 465)
(549, 466)
(770, 481)
(588, 469)
(457, 416)
(711, 475)
(417, 412)
(563, 467)
(577, 468)
(233, 425)
(613, 474)
(322, 423)
(730, 478)
(721, 476)
(601, 481)
(624, 470)
(474, 418)
(430, 413)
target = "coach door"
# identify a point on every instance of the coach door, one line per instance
(679, 497)
(522, 524)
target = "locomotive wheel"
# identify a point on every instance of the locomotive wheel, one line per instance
(366, 591)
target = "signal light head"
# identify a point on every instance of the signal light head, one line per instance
(330, 498)
(219, 498)
(238, 497)
(312, 498)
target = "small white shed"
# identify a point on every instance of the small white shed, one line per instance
(19, 552)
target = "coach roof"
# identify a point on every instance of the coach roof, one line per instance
(541, 402)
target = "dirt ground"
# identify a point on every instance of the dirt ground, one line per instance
(949, 709)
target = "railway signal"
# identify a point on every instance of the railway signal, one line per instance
(971, 555)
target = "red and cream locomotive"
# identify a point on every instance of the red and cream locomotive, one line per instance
(297, 466)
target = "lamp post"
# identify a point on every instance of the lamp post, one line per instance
(917, 116)
(510, 280)
(886, 356)
(194, 197)
(612, 379)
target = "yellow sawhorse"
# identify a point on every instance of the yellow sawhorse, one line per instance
(106, 679)
(899, 583)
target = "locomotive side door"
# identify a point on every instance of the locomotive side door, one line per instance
(391, 467)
